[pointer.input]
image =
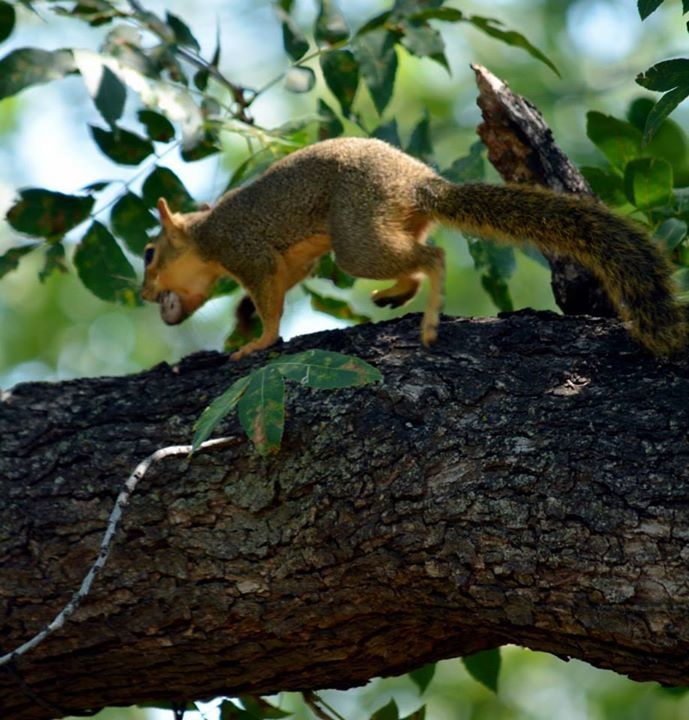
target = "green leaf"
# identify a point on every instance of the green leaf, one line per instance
(7, 20)
(665, 75)
(389, 133)
(259, 709)
(374, 23)
(607, 185)
(469, 168)
(420, 144)
(663, 108)
(104, 269)
(262, 409)
(54, 261)
(424, 41)
(387, 712)
(201, 147)
(300, 79)
(330, 124)
(327, 268)
(484, 667)
(648, 183)
(48, 214)
(422, 676)
(183, 35)
(341, 72)
(110, 96)
(670, 233)
(619, 141)
(493, 28)
(162, 182)
(131, 219)
(334, 307)
(10, 260)
(441, 13)
(243, 332)
(326, 370)
(293, 40)
(217, 410)
(158, 127)
(331, 25)
(122, 146)
(30, 66)
(377, 58)
(497, 263)
(646, 7)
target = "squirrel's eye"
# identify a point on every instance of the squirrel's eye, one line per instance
(148, 255)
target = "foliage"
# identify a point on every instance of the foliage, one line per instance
(260, 396)
(669, 76)
(187, 103)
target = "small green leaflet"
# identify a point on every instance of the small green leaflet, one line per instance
(122, 146)
(671, 76)
(104, 269)
(293, 39)
(183, 35)
(377, 59)
(391, 712)
(261, 409)
(618, 140)
(10, 260)
(162, 182)
(332, 306)
(255, 708)
(54, 261)
(485, 667)
(217, 410)
(341, 72)
(30, 66)
(158, 127)
(607, 185)
(467, 168)
(48, 214)
(260, 396)
(646, 7)
(131, 219)
(671, 233)
(422, 676)
(648, 182)
(331, 26)
(7, 20)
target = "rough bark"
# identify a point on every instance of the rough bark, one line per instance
(526, 481)
(522, 149)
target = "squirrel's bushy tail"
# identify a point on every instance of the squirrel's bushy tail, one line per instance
(634, 273)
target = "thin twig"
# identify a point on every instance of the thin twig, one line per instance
(106, 543)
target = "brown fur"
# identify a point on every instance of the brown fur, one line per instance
(373, 206)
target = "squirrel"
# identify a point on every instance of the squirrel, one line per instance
(373, 206)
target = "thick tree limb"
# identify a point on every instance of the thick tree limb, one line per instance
(522, 149)
(526, 481)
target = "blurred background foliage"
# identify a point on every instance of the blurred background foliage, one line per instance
(58, 329)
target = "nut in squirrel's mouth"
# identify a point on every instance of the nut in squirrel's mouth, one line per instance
(171, 310)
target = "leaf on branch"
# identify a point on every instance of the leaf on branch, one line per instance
(494, 28)
(388, 132)
(54, 261)
(485, 667)
(497, 263)
(330, 124)
(31, 66)
(7, 20)
(420, 144)
(217, 410)
(48, 214)
(422, 40)
(131, 219)
(261, 409)
(107, 90)
(387, 712)
(328, 269)
(648, 182)
(122, 146)
(341, 72)
(607, 185)
(670, 75)
(10, 260)
(104, 269)
(471, 167)
(158, 127)
(293, 39)
(162, 182)
(181, 31)
(671, 233)
(618, 140)
(334, 307)
(377, 59)
(331, 26)
(326, 370)
(422, 676)
(646, 7)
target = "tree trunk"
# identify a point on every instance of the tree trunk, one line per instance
(522, 149)
(526, 481)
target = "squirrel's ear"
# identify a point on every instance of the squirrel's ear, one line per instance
(167, 219)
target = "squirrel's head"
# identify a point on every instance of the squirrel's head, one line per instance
(173, 265)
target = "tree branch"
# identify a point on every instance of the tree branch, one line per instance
(526, 481)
